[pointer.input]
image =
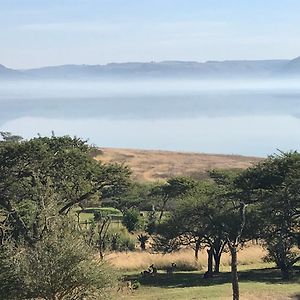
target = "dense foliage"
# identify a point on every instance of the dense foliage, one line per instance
(57, 167)
(44, 254)
(274, 185)
(60, 266)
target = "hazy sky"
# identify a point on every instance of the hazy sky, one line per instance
(50, 32)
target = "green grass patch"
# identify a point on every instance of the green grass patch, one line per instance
(87, 214)
(104, 210)
(254, 284)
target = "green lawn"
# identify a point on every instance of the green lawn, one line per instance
(254, 284)
(88, 213)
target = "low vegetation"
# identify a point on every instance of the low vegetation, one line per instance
(255, 283)
(250, 255)
(74, 228)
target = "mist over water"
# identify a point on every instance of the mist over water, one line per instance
(240, 117)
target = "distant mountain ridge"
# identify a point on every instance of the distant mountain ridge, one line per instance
(238, 69)
(293, 66)
(6, 73)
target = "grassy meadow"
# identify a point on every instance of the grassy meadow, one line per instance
(254, 284)
(258, 279)
(87, 214)
(184, 259)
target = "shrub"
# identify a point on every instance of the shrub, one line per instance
(131, 219)
(9, 280)
(60, 266)
(282, 252)
(119, 240)
(143, 239)
(151, 222)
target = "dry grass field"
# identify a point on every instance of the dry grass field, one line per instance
(153, 165)
(184, 259)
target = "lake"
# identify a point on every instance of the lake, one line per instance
(230, 117)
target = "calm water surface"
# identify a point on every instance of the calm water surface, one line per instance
(250, 118)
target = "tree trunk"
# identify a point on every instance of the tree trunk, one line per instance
(210, 262)
(162, 210)
(218, 247)
(101, 250)
(285, 272)
(197, 248)
(234, 273)
(217, 259)
(143, 246)
(1, 236)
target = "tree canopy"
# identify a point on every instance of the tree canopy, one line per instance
(58, 167)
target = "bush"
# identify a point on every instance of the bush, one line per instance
(151, 222)
(132, 219)
(282, 252)
(119, 240)
(9, 280)
(60, 266)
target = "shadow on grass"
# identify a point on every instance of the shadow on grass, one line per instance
(191, 279)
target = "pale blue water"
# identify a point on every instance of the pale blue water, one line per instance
(250, 118)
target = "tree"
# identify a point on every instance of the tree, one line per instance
(61, 166)
(131, 219)
(9, 280)
(151, 224)
(138, 196)
(9, 137)
(236, 218)
(197, 220)
(234, 232)
(173, 189)
(274, 185)
(102, 222)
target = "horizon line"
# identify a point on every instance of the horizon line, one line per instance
(151, 61)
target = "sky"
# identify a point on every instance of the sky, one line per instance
(36, 33)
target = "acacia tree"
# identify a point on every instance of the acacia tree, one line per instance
(131, 219)
(239, 219)
(234, 228)
(212, 215)
(274, 185)
(202, 219)
(9, 137)
(176, 230)
(138, 196)
(63, 166)
(102, 223)
(173, 189)
(197, 220)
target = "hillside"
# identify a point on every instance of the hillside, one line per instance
(6, 73)
(293, 67)
(152, 165)
(233, 69)
(164, 69)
